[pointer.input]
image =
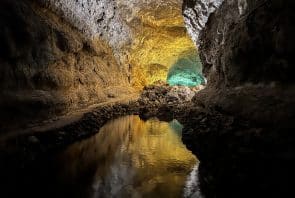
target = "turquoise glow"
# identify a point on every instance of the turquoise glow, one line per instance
(187, 71)
(176, 126)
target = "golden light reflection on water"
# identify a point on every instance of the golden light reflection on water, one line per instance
(132, 158)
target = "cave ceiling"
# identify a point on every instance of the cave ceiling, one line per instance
(147, 37)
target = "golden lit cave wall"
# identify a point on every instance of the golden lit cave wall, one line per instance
(160, 40)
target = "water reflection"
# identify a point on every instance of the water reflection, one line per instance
(129, 158)
(192, 189)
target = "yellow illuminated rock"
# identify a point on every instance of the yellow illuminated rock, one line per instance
(160, 38)
(73, 54)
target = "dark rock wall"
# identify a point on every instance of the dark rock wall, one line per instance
(242, 127)
(47, 67)
(246, 49)
(248, 41)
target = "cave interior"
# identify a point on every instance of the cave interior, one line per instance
(207, 84)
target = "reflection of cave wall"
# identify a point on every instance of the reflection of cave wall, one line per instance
(187, 71)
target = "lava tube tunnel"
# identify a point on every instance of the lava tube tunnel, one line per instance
(187, 71)
(147, 98)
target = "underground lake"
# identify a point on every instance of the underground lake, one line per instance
(128, 157)
(147, 98)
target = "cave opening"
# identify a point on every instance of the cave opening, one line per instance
(162, 49)
(186, 71)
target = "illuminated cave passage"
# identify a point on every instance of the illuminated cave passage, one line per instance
(187, 71)
(224, 69)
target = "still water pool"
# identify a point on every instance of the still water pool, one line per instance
(129, 157)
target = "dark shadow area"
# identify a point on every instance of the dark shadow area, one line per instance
(239, 158)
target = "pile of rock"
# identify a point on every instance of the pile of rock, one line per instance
(161, 98)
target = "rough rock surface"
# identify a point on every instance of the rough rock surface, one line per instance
(61, 55)
(196, 14)
(241, 127)
(146, 37)
(48, 67)
(160, 40)
(252, 42)
(166, 101)
(95, 19)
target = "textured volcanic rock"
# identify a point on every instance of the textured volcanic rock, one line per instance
(95, 19)
(196, 14)
(145, 36)
(61, 55)
(242, 126)
(166, 102)
(47, 67)
(252, 42)
(160, 40)
(248, 63)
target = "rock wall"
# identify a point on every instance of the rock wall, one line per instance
(146, 37)
(61, 55)
(246, 48)
(97, 20)
(196, 14)
(48, 67)
(160, 39)
(242, 126)
(244, 41)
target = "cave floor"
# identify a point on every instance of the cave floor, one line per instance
(64, 120)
